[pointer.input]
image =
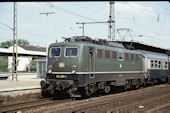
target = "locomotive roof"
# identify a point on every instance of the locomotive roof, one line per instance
(142, 46)
(89, 40)
(153, 55)
(107, 47)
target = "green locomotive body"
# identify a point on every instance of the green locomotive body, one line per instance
(83, 67)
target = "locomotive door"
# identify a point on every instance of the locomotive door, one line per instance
(91, 64)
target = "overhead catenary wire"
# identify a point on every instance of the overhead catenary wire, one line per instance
(137, 23)
(65, 10)
(153, 18)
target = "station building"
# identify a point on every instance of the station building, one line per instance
(25, 55)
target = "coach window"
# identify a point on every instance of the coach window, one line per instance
(159, 64)
(166, 65)
(152, 64)
(99, 53)
(107, 54)
(156, 64)
(120, 55)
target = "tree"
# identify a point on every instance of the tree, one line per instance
(3, 64)
(9, 43)
(32, 66)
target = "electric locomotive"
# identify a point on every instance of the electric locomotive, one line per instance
(81, 66)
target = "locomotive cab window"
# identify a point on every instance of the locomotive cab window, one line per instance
(55, 52)
(71, 51)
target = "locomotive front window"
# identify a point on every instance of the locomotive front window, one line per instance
(55, 52)
(71, 52)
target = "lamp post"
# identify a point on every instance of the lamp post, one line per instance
(15, 44)
(47, 13)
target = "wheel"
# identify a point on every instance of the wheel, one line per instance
(137, 84)
(107, 89)
(45, 93)
(84, 92)
(60, 95)
(127, 86)
(57, 95)
(153, 82)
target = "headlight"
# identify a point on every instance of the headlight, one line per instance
(73, 71)
(50, 69)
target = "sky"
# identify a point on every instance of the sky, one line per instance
(144, 22)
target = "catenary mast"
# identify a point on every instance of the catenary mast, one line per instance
(111, 33)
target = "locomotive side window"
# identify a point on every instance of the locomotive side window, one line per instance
(55, 52)
(132, 57)
(107, 54)
(126, 56)
(120, 55)
(99, 53)
(71, 51)
(114, 55)
(137, 57)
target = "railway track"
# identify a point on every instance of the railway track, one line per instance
(109, 103)
(117, 104)
(129, 103)
(19, 95)
(30, 105)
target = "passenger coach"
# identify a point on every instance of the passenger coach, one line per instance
(155, 67)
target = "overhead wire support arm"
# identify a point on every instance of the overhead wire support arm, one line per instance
(93, 22)
(83, 23)
(48, 13)
(7, 26)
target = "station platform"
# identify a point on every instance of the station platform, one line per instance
(24, 81)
